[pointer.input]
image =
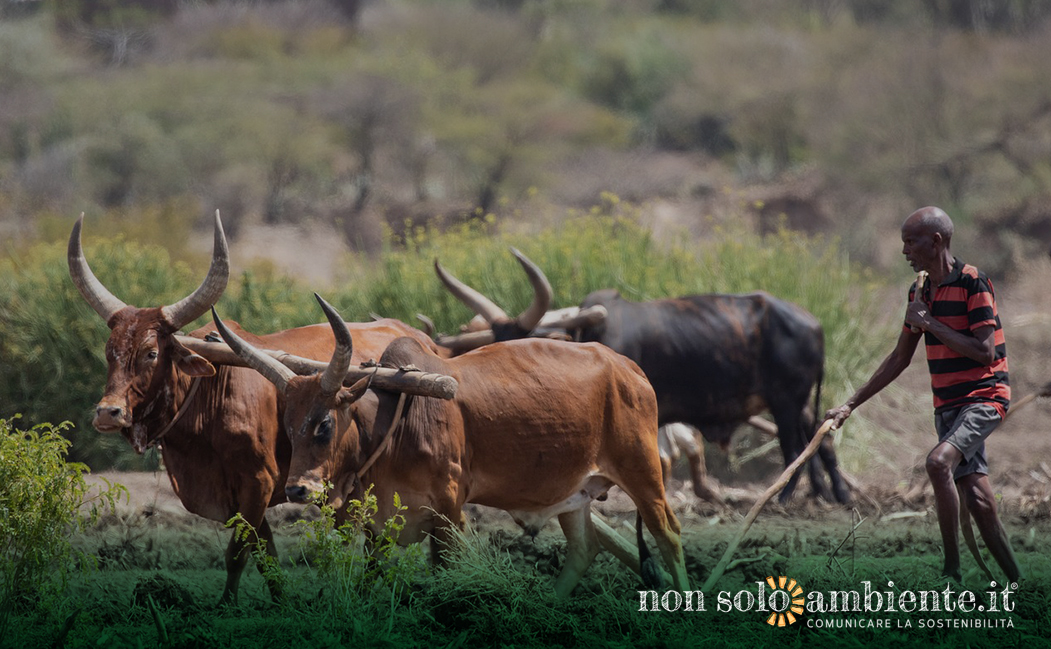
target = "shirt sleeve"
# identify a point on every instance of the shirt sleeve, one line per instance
(981, 304)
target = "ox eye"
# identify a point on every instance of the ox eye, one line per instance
(324, 430)
(151, 355)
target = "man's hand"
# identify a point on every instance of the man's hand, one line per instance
(838, 415)
(918, 316)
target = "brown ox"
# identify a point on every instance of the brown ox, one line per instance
(538, 428)
(219, 429)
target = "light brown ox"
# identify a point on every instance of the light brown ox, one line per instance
(224, 448)
(538, 428)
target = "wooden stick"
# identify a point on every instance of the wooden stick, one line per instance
(921, 277)
(410, 382)
(1021, 403)
(804, 457)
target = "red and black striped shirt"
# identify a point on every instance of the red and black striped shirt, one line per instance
(965, 301)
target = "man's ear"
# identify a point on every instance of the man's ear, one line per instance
(191, 363)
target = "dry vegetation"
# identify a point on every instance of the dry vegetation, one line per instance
(841, 116)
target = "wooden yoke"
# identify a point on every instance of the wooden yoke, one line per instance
(408, 381)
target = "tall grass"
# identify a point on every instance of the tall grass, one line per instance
(52, 345)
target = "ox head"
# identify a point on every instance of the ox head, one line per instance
(320, 416)
(142, 352)
(492, 324)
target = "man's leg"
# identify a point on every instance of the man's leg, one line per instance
(941, 462)
(978, 494)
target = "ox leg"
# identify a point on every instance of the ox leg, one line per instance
(664, 526)
(666, 471)
(827, 453)
(443, 536)
(237, 555)
(699, 472)
(817, 480)
(792, 440)
(582, 546)
(267, 534)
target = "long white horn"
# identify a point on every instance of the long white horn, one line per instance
(211, 289)
(269, 367)
(332, 378)
(474, 300)
(97, 295)
(542, 293)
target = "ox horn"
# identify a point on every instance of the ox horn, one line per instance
(332, 378)
(542, 293)
(474, 300)
(428, 324)
(98, 296)
(211, 289)
(269, 367)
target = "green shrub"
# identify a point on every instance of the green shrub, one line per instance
(41, 498)
(634, 72)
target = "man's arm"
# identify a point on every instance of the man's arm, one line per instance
(978, 345)
(891, 367)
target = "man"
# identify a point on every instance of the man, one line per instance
(955, 312)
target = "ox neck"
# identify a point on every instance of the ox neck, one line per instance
(166, 411)
(384, 442)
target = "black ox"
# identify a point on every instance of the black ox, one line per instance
(714, 360)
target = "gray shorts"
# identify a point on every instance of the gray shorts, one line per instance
(966, 428)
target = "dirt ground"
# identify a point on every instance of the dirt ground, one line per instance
(890, 524)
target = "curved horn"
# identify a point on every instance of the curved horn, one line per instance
(100, 299)
(474, 300)
(208, 293)
(332, 378)
(269, 367)
(542, 293)
(428, 324)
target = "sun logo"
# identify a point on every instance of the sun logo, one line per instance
(786, 601)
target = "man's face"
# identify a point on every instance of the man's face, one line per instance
(919, 246)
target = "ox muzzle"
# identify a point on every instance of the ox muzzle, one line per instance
(304, 491)
(111, 417)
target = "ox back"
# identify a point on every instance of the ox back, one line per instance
(716, 360)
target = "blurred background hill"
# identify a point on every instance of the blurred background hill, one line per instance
(773, 144)
(331, 121)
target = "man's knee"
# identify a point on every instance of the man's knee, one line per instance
(939, 467)
(942, 461)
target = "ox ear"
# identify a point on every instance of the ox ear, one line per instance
(354, 392)
(191, 363)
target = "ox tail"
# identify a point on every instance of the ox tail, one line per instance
(648, 568)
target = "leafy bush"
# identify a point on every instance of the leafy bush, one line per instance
(41, 496)
(352, 568)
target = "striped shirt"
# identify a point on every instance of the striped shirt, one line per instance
(965, 301)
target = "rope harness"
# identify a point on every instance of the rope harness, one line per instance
(196, 383)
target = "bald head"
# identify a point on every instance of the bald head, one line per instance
(930, 220)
